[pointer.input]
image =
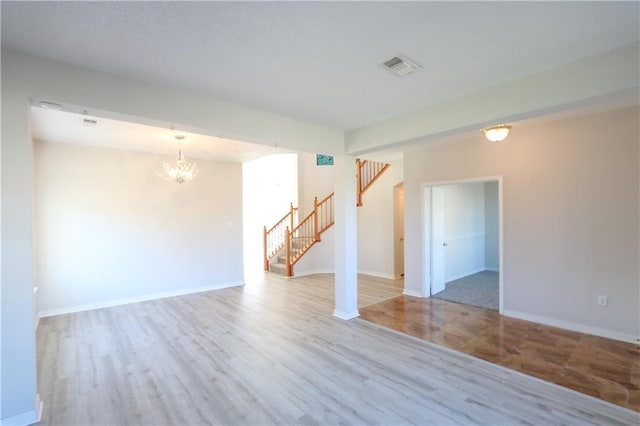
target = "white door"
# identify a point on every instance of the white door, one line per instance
(398, 244)
(438, 243)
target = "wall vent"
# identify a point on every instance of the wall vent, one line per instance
(400, 66)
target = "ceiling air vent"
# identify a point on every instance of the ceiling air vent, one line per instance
(89, 122)
(400, 65)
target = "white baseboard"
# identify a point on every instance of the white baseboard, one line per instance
(346, 315)
(27, 418)
(331, 271)
(465, 274)
(412, 293)
(312, 272)
(572, 326)
(492, 269)
(378, 274)
(136, 299)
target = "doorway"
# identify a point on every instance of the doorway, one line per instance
(463, 236)
(398, 231)
(269, 185)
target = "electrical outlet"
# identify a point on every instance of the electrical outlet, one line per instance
(602, 300)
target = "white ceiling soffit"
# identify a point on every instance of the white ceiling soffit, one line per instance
(606, 105)
(319, 61)
(68, 127)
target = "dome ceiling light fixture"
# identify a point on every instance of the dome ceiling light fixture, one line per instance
(496, 133)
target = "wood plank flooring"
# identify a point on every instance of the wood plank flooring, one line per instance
(604, 368)
(271, 353)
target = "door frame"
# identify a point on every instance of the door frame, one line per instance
(398, 230)
(427, 224)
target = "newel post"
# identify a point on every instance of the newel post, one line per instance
(264, 248)
(359, 182)
(291, 215)
(287, 252)
(316, 231)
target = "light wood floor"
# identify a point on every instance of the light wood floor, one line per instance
(270, 353)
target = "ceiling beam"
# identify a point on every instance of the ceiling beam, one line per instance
(599, 77)
(109, 96)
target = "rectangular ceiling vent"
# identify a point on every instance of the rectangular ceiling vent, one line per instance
(89, 122)
(400, 65)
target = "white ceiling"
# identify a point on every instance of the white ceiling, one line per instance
(67, 127)
(318, 61)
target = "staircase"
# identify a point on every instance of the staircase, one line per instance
(289, 239)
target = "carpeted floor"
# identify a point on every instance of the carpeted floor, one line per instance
(479, 289)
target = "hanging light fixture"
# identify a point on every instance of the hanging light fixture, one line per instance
(496, 133)
(182, 170)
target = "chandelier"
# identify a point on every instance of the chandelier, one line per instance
(182, 170)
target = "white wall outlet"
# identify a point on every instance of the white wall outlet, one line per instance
(602, 300)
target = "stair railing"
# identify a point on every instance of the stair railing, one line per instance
(302, 237)
(367, 172)
(274, 238)
(298, 239)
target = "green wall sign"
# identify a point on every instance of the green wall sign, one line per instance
(324, 160)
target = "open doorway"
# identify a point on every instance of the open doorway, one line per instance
(269, 186)
(463, 234)
(398, 230)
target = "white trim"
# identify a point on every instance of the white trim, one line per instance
(412, 293)
(40, 406)
(37, 315)
(492, 269)
(312, 272)
(143, 298)
(425, 215)
(346, 315)
(469, 180)
(332, 271)
(379, 275)
(426, 225)
(27, 418)
(500, 245)
(466, 274)
(610, 334)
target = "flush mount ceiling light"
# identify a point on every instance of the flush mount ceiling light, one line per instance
(496, 133)
(182, 170)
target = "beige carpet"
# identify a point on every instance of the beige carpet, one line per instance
(481, 289)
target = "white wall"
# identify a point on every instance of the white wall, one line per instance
(571, 217)
(26, 76)
(375, 225)
(18, 348)
(463, 229)
(109, 229)
(491, 226)
(315, 181)
(375, 219)
(269, 185)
